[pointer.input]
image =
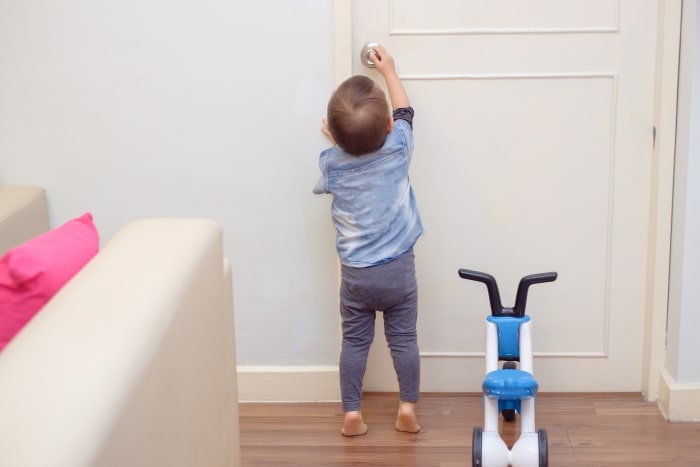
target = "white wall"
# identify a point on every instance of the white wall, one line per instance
(138, 108)
(683, 338)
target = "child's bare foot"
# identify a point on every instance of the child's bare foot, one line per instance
(406, 419)
(354, 425)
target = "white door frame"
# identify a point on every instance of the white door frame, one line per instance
(660, 203)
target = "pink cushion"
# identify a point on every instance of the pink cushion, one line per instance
(31, 273)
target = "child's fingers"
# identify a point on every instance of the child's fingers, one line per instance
(383, 54)
(377, 53)
(379, 49)
(381, 58)
(374, 57)
(325, 130)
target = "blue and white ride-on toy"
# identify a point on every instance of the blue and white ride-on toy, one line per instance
(512, 387)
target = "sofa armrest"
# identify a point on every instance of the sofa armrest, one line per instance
(23, 215)
(130, 363)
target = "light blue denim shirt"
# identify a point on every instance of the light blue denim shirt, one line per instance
(374, 209)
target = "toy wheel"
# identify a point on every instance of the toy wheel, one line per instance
(508, 414)
(542, 447)
(476, 447)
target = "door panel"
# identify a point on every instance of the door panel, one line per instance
(478, 16)
(533, 144)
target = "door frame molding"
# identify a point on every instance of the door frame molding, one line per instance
(342, 40)
(661, 195)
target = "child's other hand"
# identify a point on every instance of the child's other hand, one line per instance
(325, 130)
(382, 60)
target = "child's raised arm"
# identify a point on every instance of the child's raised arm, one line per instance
(385, 65)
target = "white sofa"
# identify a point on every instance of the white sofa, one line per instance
(132, 362)
(23, 214)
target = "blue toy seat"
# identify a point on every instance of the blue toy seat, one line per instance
(509, 385)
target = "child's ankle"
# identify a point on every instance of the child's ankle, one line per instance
(354, 425)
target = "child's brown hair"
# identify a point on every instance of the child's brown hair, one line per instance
(358, 116)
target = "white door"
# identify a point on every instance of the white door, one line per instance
(533, 134)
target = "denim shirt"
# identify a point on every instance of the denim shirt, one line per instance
(374, 209)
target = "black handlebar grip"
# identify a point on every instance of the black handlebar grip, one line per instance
(491, 287)
(497, 309)
(525, 283)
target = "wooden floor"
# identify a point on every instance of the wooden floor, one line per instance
(584, 430)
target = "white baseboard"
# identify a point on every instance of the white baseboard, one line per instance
(288, 384)
(678, 402)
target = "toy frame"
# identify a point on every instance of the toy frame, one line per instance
(510, 387)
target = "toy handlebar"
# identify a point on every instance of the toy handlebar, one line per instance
(497, 309)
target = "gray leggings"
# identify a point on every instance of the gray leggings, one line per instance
(391, 288)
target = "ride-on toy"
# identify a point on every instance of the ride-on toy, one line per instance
(509, 388)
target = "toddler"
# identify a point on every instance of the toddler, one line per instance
(377, 223)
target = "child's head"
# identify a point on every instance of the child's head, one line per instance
(358, 116)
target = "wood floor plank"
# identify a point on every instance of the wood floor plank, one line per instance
(583, 430)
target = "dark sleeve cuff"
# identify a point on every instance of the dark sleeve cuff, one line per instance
(404, 113)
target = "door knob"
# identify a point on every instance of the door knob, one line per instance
(366, 52)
